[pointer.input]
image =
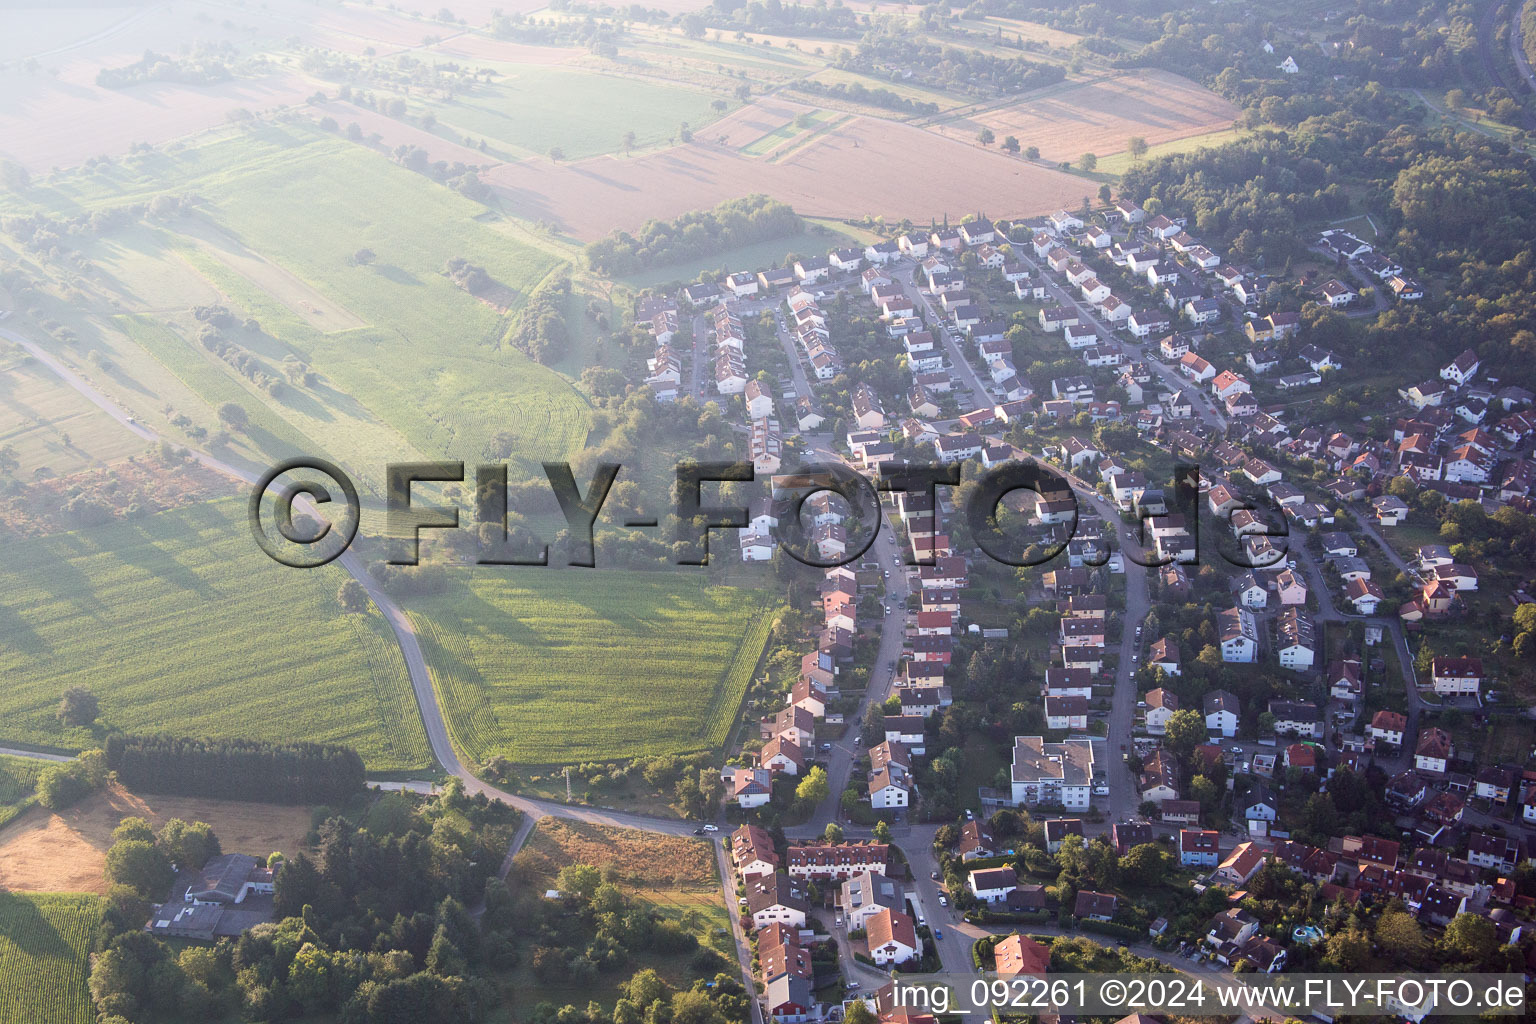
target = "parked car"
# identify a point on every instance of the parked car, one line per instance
(711, 828)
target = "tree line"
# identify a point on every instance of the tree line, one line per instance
(732, 224)
(237, 769)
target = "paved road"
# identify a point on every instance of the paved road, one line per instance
(905, 273)
(960, 935)
(36, 755)
(1517, 49)
(792, 351)
(1062, 295)
(703, 334)
(1487, 28)
(410, 649)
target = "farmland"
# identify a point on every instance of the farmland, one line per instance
(45, 943)
(534, 109)
(50, 425)
(1097, 116)
(18, 779)
(286, 209)
(846, 172)
(171, 621)
(43, 851)
(558, 667)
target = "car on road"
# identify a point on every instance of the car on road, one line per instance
(943, 900)
(938, 935)
(886, 573)
(826, 746)
(851, 985)
(1236, 749)
(1135, 656)
(933, 875)
(711, 828)
(698, 831)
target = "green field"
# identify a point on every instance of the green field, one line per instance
(558, 667)
(1119, 163)
(784, 132)
(18, 782)
(532, 109)
(284, 208)
(45, 943)
(180, 624)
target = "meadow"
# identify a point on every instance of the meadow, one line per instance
(558, 667)
(45, 943)
(531, 110)
(178, 623)
(409, 363)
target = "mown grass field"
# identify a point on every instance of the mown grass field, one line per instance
(1121, 162)
(534, 109)
(559, 667)
(45, 942)
(178, 623)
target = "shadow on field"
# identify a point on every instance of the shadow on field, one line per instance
(26, 926)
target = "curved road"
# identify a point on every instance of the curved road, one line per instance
(399, 622)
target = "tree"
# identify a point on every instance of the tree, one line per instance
(1011, 144)
(1398, 932)
(141, 866)
(1205, 791)
(628, 142)
(1185, 731)
(363, 257)
(1147, 809)
(1145, 865)
(78, 707)
(352, 597)
(556, 154)
(860, 1013)
(234, 416)
(582, 879)
(1088, 161)
(1137, 146)
(189, 845)
(9, 461)
(833, 833)
(882, 831)
(1456, 99)
(693, 26)
(985, 137)
(1105, 192)
(815, 787)
(1470, 939)
(1032, 152)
